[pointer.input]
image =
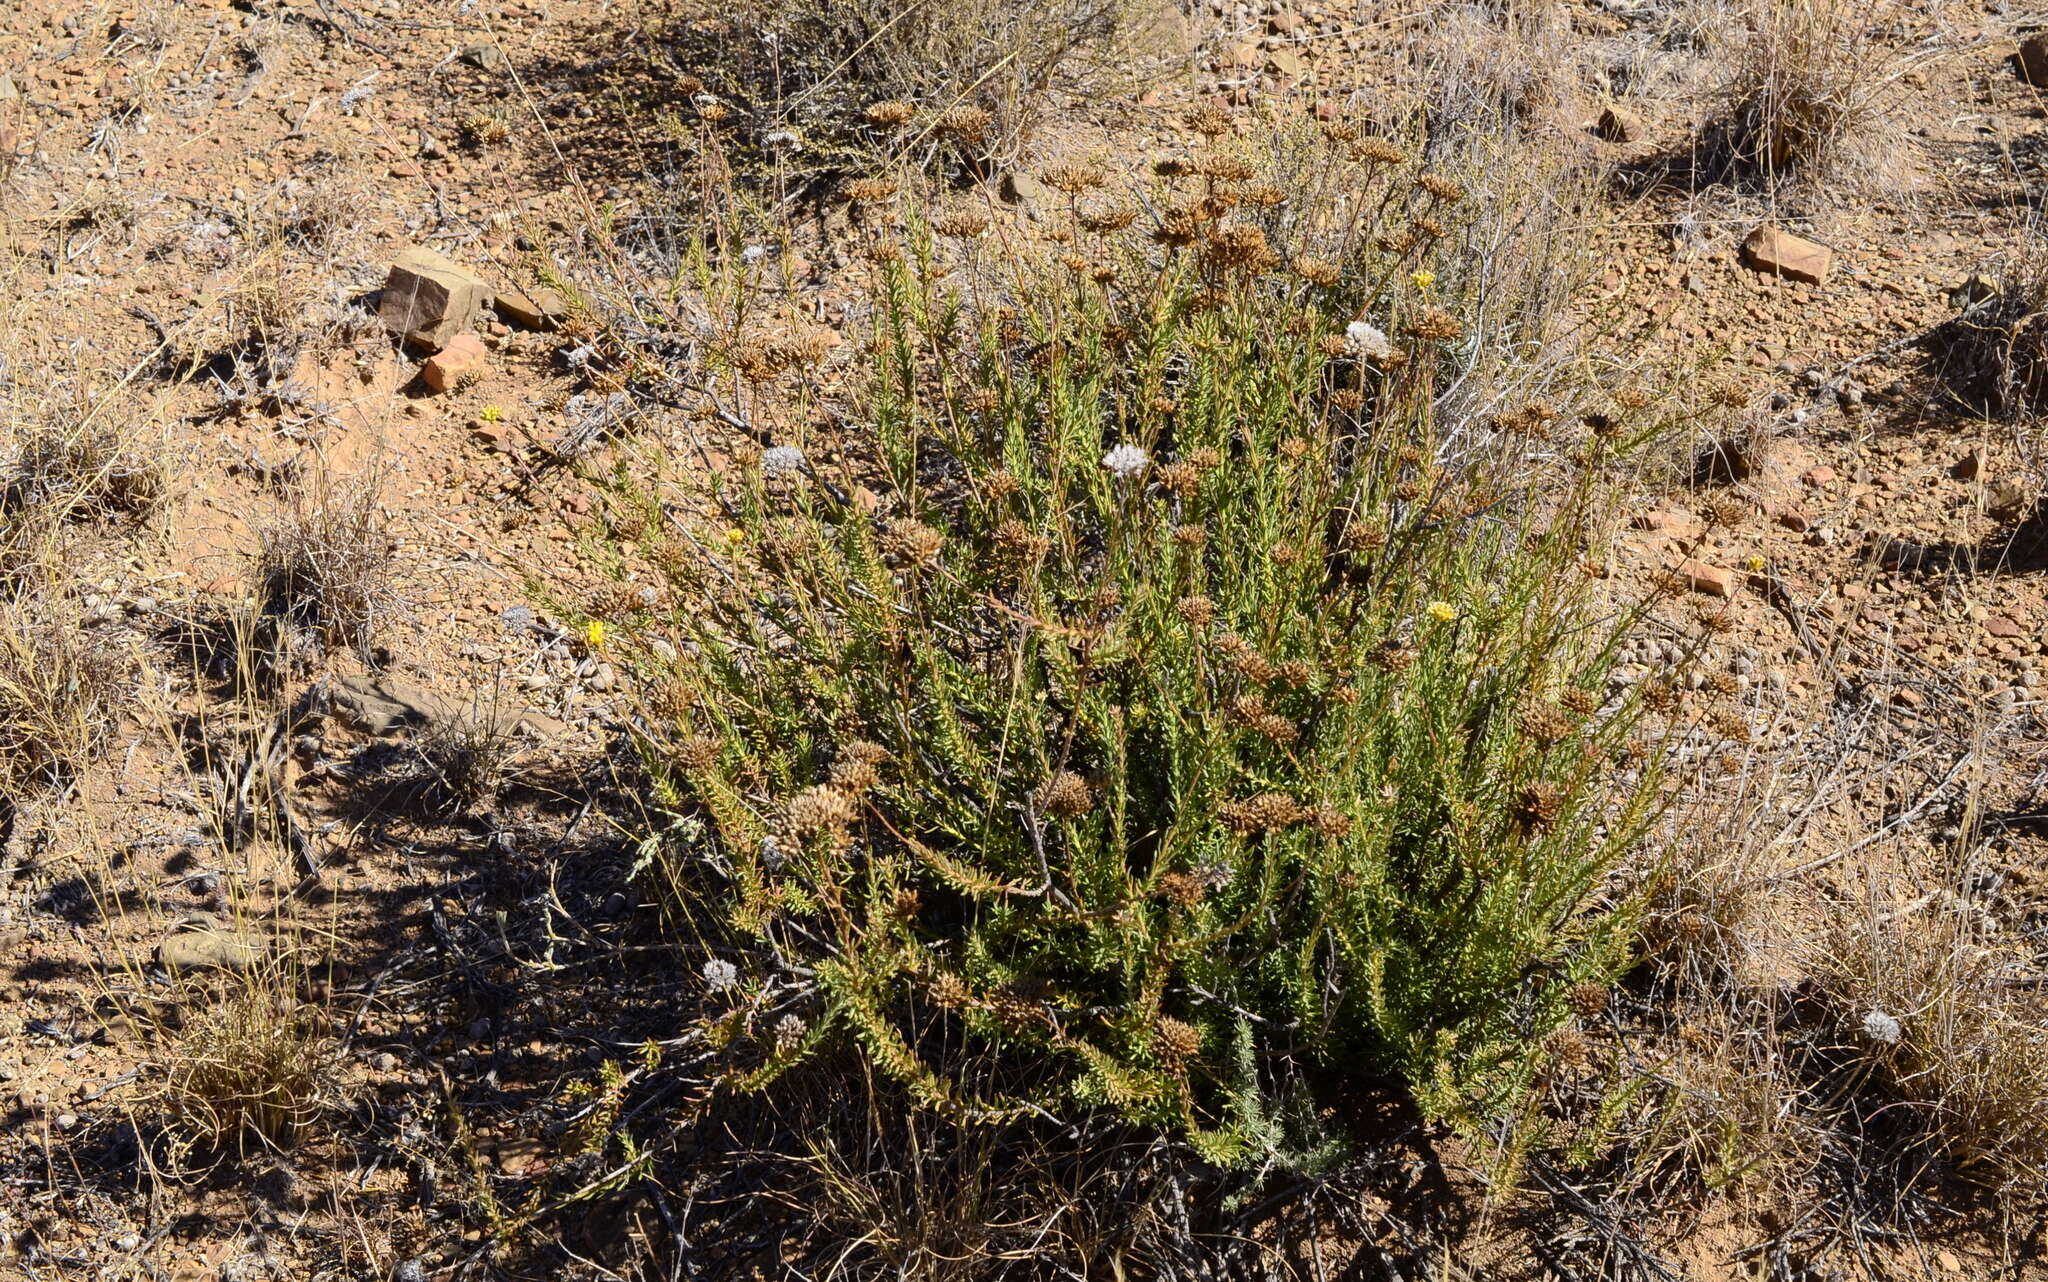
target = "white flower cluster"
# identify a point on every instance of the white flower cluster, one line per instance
(721, 975)
(1126, 461)
(1880, 1027)
(782, 460)
(1367, 341)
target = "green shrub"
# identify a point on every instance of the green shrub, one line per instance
(1190, 674)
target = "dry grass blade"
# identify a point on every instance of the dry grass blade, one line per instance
(326, 562)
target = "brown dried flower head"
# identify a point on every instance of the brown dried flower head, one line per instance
(1546, 723)
(821, 810)
(1176, 1042)
(1435, 325)
(870, 191)
(967, 122)
(1447, 190)
(1073, 178)
(912, 543)
(889, 114)
(961, 224)
(1316, 272)
(1538, 806)
(1067, 796)
(1195, 611)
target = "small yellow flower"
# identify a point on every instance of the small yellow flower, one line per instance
(1756, 565)
(1423, 280)
(492, 414)
(735, 536)
(1442, 611)
(595, 634)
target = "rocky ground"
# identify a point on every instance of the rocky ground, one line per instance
(214, 214)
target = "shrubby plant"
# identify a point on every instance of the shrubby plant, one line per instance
(1188, 676)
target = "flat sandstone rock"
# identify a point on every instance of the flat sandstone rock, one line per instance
(427, 300)
(1781, 253)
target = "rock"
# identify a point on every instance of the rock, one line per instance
(1021, 189)
(2003, 626)
(543, 309)
(1286, 66)
(1974, 289)
(428, 300)
(8, 93)
(1818, 476)
(210, 947)
(2033, 60)
(1792, 519)
(1970, 467)
(1161, 30)
(382, 705)
(1779, 253)
(1709, 580)
(485, 56)
(522, 1156)
(456, 365)
(1617, 125)
(1664, 521)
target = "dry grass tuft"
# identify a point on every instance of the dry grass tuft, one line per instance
(253, 1067)
(57, 685)
(325, 564)
(1806, 99)
(1937, 1022)
(1006, 60)
(83, 470)
(1994, 357)
(468, 760)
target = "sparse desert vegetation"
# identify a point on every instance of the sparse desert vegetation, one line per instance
(1281, 640)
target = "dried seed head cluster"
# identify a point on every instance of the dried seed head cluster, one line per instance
(821, 810)
(870, 191)
(1545, 723)
(1102, 219)
(1195, 611)
(961, 224)
(1435, 325)
(698, 753)
(1238, 248)
(912, 544)
(888, 115)
(1316, 272)
(1176, 1042)
(1444, 189)
(966, 122)
(1073, 178)
(1538, 807)
(857, 769)
(1067, 796)
(1183, 889)
(1266, 812)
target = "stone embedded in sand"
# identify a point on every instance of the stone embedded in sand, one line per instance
(462, 361)
(211, 947)
(1616, 125)
(1710, 580)
(1780, 253)
(542, 309)
(2034, 59)
(428, 300)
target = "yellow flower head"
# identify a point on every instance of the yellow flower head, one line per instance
(1423, 280)
(595, 634)
(735, 535)
(1756, 564)
(1442, 611)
